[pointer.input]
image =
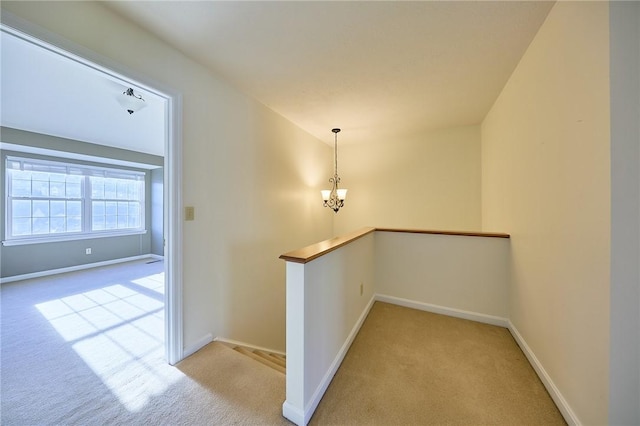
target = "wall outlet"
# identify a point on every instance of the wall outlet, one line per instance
(87, 251)
(361, 289)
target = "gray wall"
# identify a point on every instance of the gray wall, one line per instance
(157, 216)
(30, 258)
(624, 354)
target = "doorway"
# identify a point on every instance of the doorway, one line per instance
(118, 76)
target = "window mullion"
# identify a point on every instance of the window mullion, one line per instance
(86, 204)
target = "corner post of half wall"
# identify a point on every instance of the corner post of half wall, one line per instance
(293, 407)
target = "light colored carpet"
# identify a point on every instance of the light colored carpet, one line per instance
(86, 348)
(408, 367)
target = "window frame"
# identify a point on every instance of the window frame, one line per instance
(87, 171)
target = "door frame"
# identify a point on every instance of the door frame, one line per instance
(174, 346)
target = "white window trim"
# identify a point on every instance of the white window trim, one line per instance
(68, 237)
(87, 233)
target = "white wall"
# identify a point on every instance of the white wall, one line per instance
(462, 276)
(430, 181)
(253, 178)
(462, 273)
(546, 181)
(624, 390)
(325, 308)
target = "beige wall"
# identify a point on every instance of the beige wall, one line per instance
(252, 176)
(430, 181)
(546, 181)
(254, 179)
(459, 273)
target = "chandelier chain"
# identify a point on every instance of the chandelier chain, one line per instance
(335, 153)
(334, 198)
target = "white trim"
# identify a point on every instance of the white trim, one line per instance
(201, 343)
(4, 146)
(326, 380)
(72, 268)
(174, 331)
(84, 173)
(568, 414)
(172, 159)
(293, 414)
(295, 338)
(437, 309)
(52, 238)
(247, 345)
(105, 168)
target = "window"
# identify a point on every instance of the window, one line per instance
(49, 200)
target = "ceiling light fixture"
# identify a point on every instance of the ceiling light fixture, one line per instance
(130, 101)
(334, 197)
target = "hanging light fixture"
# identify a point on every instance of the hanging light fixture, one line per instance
(334, 197)
(130, 101)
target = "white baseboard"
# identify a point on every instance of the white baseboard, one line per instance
(73, 268)
(568, 414)
(452, 312)
(247, 345)
(333, 368)
(293, 414)
(201, 343)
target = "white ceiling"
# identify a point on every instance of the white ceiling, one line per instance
(377, 69)
(45, 92)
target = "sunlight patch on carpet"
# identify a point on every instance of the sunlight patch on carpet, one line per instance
(119, 334)
(152, 282)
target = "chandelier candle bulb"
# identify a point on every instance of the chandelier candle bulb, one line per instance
(334, 197)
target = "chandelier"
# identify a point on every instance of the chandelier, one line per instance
(334, 197)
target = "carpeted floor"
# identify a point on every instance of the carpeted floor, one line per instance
(408, 367)
(87, 348)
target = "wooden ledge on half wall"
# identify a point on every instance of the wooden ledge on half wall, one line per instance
(314, 251)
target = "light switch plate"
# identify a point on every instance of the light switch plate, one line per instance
(189, 213)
